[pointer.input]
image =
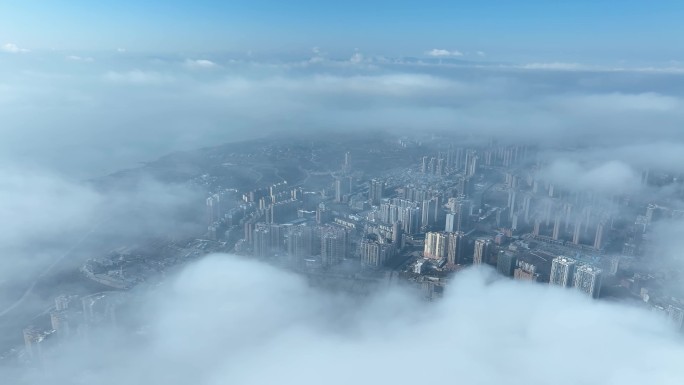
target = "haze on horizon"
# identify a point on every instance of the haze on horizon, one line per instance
(88, 89)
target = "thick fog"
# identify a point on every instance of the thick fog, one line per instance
(67, 119)
(227, 320)
(119, 109)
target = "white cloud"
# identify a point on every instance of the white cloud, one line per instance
(236, 321)
(51, 220)
(443, 53)
(480, 53)
(138, 77)
(200, 63)
(12, 48)
(144, 122)
(555, 66)
(86, 59)
(564, 66)
(36, 199)
(615, 102)
(604, 177)
(121, 50)
(356, 58)
(575, 107)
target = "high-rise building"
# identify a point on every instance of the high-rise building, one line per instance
(333, 245)
(262, 240)
(525, 271)
(451, 224)
(482, 250)
(219, 204)
(676, 315)
(411, 219)
(456, 247)
(466, 186)
(33, 337)
(213, 209)
(505, 263)
(567, 212)
(435, 245)
(397, 234)
(598, 240)
(386, 211)
(556, 228)
(471, 164)
(323, 215)
(511, 202)
(276, 189)
(527, 202)
(614, 266)
(432, 166)
(268, 239)
(578, 231)
(463, 212)
(548, 208)
(62, 302)
(59, 319)
(651, 213)
(562, 271)
(439, 209)
(441, 165)
(347, 165)
(283, 211)
(514, 222)
(588, 280)
(342, 188)
(376, 191)
(300, 242)
(429, 210)
(457, 158)
(375, 254)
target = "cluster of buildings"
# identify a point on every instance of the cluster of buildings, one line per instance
(71, 317)
(567, 272)
(125, 268)
(453, 207)
(463, 205)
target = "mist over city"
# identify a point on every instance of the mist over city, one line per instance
(305, 193)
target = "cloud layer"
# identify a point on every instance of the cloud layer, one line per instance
(225, 320)
(120, 109)
(443, 53)
(229, 320)
(12, 48)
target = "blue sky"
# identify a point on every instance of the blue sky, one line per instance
(580, 30)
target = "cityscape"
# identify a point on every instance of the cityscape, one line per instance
(257, 192)
(424, 212)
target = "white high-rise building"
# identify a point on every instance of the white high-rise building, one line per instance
(562, 271)
(435, 245)
(588, 280)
